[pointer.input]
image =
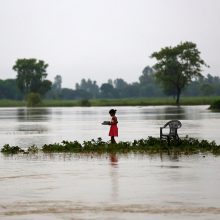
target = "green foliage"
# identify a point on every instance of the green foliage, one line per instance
(107, 90)
(215, 105)
(57, 85)
(65, 146)
(67, 94)
(33, 99)
(132, 102)
(9, 90)
(33, 149)
(11, 103)
(177, 66)
(148, 84)
(85, 102)
(147, 87)
(56, 89)
(151, 145)
(206, 100)
(90, 87)
(7, 149)
(31, 76)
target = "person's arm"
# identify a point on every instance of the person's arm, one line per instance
(114, 121)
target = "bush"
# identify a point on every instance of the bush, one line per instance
(215, 105)
(7, 149)
(85, 102)
(33, 149)
(33, 99)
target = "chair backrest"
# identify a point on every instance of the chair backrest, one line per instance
(173, 125)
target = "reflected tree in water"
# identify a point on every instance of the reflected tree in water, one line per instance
(33, 114)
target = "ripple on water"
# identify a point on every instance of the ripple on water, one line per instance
(41, 208)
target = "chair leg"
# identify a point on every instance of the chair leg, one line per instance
(177, 139)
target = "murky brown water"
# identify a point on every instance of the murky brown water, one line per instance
(64, 186)
(69, 186)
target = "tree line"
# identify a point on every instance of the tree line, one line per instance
(177, 72)
(146, 86)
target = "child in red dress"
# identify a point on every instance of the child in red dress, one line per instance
(113, 132)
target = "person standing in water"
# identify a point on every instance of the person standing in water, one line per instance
(113, 132)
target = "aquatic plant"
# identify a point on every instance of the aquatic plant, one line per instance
(33, 149)
(7, 149)
(151, 145)
(64, 146)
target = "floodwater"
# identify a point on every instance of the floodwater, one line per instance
(38, 126)
(64, 186)
(107, 187)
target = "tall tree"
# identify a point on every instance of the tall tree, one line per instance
(147, 75)
(56, 88)
(31, 76)
(177, 66)
(107, 90)
(148, 85)
(9, 89)
(57, 85)
(120, 84)
(89, 86)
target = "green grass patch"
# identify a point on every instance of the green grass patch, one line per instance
(131, 102)
(12, 103)
(206, 100)
(154, 101)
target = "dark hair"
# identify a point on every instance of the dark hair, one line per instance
(112, 111)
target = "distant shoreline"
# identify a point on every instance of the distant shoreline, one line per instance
(206, 100)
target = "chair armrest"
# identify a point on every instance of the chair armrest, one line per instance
(161, 128)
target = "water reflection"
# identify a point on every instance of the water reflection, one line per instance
(114, 175)
(113, 159)
(29, 119)
(171, 113)
(33, 124)
(33, 114)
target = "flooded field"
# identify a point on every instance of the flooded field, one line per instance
(73, 186)
(64, 186)
(38, 126)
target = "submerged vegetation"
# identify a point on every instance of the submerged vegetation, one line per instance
(151, 145)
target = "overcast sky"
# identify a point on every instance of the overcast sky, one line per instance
(102, 39)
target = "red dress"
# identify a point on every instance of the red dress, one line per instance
(114, 128)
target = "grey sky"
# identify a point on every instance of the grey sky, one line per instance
(102, 39)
